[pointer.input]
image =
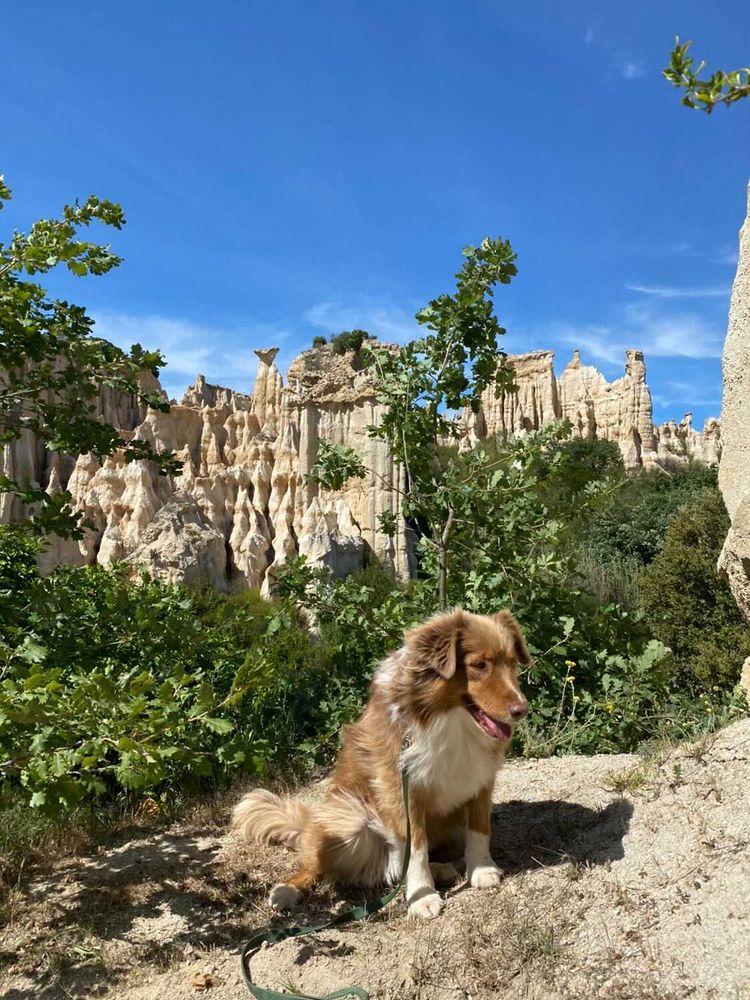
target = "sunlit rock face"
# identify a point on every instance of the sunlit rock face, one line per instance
(734, 471)
(617, 411)
(242, 505)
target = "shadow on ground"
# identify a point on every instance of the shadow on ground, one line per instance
(529, 835)
(153, 897)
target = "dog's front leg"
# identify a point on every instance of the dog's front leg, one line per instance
(423, 900)
(481, 870)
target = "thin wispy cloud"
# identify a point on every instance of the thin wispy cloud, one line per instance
(631, 69)
(694, 392)
(383, 320)
(224, 355)
(726, 254)
(681, 248)
(693, 400)
(676, 292)
(589, 36)
(681, 386)
(681, 335)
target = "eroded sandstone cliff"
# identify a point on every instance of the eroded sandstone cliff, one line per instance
(243, 504)
(734, 471)
(619, 411)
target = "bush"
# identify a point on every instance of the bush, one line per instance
(613, 580)
(358, 620)
(688, 605)
(319, 341)
(574, 465)
(18, 572)
(114, 687)
(625, 528)
(111, 686)
(634, 524)
(349, 340)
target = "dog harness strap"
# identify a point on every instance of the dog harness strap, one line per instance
(273, 935)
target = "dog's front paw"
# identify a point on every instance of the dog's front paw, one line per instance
(485, 876)
(426, 907)
(284, 897)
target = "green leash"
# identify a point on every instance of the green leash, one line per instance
(272, 936)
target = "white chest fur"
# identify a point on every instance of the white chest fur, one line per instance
(453, 758)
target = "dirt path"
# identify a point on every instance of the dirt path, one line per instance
(625, 880)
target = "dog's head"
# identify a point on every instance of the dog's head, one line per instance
(470, 661)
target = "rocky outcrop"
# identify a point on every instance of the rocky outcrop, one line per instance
(617, 411)
(734, 471)
(535, 403)
(244, 503)
(25, 460)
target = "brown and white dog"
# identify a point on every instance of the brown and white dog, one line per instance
(452, 693)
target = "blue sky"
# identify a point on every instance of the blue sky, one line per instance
(295, 168)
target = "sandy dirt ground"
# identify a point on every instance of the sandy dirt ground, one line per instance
(625, 878)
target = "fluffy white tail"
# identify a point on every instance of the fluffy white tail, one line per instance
(265, 818)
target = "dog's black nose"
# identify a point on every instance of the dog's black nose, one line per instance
(518, 710)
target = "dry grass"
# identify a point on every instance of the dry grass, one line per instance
(632, 780)
(605, 872)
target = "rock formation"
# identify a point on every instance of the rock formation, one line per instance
(618, 411)
(243, 504)
(734, 471)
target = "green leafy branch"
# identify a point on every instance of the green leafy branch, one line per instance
(704, 94)
(52, 370)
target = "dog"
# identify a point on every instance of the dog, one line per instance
(451, 695)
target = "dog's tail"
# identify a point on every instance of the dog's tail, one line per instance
(265, 818)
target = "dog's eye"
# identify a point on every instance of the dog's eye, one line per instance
(479, 665)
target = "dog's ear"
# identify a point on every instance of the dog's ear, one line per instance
(509, 623)
(434, 645)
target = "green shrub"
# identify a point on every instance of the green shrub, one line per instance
(349, 340)
(688, 605)
(612, 579)
(633, 525)
(18, 572)
(319, 341)
(112, 687)
(573, 466)
(359, 620)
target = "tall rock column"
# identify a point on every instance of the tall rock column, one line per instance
(268, 389)
(734, 468)
(580, 386)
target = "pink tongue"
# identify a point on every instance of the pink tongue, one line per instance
(499, 730)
